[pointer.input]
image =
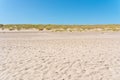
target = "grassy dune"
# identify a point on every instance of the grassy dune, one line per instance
(61, 28)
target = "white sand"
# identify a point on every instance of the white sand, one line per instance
(59, 56)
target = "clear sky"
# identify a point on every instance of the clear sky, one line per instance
(60, 11)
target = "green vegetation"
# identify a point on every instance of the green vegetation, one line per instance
(61, 28)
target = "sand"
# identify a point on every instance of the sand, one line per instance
(59, 56)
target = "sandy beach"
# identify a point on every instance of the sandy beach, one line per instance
(59, 56)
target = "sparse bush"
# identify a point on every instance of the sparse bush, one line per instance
(61, 28)
(40, 28)
(18, 28)
(1, 25)
(11, 29)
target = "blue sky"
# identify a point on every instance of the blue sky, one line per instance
(60, 11)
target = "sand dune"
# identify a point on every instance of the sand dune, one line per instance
(59, 56)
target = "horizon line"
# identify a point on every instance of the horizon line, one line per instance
(54, 24)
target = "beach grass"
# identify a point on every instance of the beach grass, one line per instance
(61, 28)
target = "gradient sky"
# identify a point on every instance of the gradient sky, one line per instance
(60, 11)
